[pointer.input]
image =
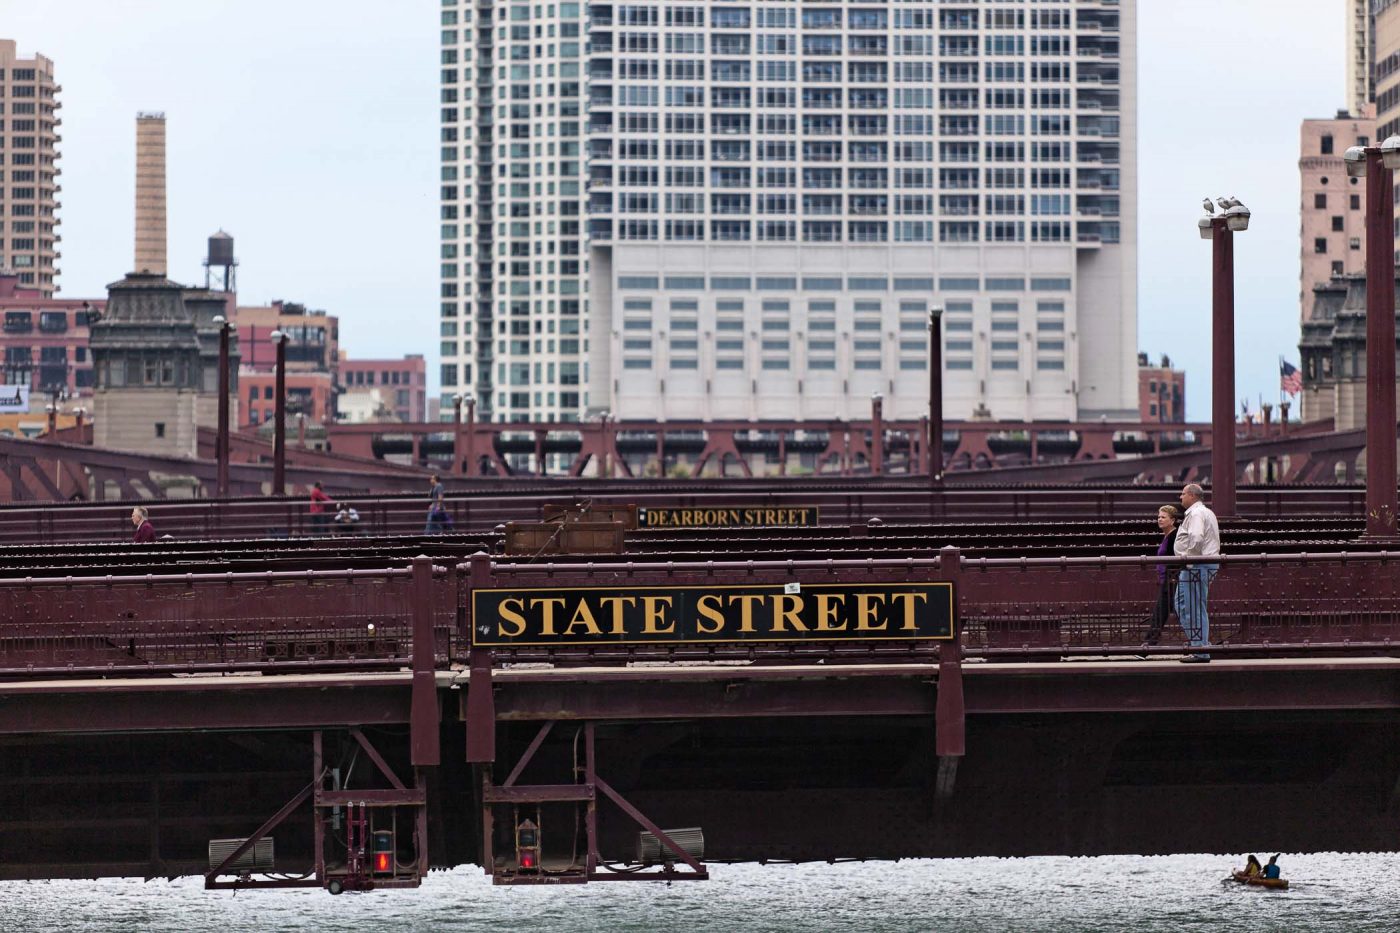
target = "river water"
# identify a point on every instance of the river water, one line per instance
(1168, 893)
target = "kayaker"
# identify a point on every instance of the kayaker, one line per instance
(1252, 868)
(1272, 870)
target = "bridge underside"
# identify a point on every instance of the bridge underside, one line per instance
(806, 763)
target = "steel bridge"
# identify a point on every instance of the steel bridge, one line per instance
(332, 711)
(380, 458)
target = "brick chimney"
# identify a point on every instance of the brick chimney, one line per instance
(150, 193)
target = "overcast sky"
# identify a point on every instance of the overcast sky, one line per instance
(308, 130)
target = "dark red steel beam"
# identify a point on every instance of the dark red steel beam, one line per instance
(200, 703)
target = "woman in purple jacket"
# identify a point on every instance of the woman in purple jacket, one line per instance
(1168, 519)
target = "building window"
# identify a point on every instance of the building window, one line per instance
(1356, 242)
(1327, 144)
(1337, 267)
(1337, 224)
(1320, 201)
(1355, 202)
(1320, 245)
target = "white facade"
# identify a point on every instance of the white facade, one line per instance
(779, 191)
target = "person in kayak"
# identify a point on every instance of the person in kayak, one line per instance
(1272, 870)
(1252, 868)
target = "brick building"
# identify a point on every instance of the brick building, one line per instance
(44, 341)
(1161, 391)
(400, 386)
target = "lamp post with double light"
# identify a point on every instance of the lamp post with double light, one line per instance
(1375, 164)
(935, 397)
(1220, 229)
(279, 426)
(221, 451)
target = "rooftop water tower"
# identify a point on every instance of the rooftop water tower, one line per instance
(221, 259)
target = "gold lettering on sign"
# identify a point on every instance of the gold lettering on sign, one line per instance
(747, 602)
(709, 609)
(910, 600)
(618, 627)
(654, 615)
(512, 617)
(547, 617)
(829, 606)
(788, 616)
(583, 616)
(867, 609)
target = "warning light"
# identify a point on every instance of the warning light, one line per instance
(527, 846)
(382, 852)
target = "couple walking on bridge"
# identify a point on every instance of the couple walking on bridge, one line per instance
(1189, 531)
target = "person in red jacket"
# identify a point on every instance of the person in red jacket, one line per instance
(320, 518)
(145, 531)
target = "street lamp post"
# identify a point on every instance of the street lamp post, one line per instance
(471, 434)
(221, 451)
(877, 433)
(1375, 164)
(935, 397)
(457, 466)
(279, 427)
(1220, 229)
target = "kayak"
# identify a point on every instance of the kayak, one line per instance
(1259, 881)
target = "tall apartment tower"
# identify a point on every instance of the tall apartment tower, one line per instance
(150, 194)
(1332, 207)
(674, 210)
(1361, 51)
(29, 168)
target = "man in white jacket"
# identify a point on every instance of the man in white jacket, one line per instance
(1198, 536)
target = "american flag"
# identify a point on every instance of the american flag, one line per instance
(1290, 380)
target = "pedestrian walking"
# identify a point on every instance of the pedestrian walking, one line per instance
(1198, 536)
(145, 531)
(320, 518)
(437, 511)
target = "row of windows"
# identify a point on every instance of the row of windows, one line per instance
(855, 231)
(830, 204)
(824, 283)
(646, 176)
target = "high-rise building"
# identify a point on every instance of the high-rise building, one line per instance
(1361, 51)
(29, 168)
(1332, 206)
(748, 210)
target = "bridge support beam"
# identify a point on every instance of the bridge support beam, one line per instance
(950, 716)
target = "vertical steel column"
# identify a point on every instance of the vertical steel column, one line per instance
(221, 451)
(318, 820)
(1380, 348)
(935, 398)
(1222, 452)
(279, 429)
(481, 704)
(590, 778)
(950, 709)
(424, 716)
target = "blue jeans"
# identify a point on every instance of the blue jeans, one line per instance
(434, 525)
(1191, 590)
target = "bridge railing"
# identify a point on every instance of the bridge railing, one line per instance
(184, 623)
(1258, 603)
(1032, 609)
(482, 510)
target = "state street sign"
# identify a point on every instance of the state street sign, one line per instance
(14, 399)
(630, 615)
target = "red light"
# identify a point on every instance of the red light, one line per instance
(381, 861)
(527, 859)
